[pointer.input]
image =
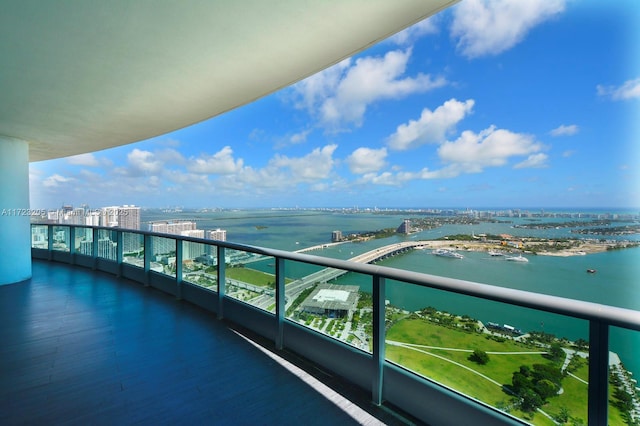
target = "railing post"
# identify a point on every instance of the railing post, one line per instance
(179, 248)
(94, 248)
(72, 244)
(50, 241)
(378, 337)
(281, 303)
(147, 259)
(119, 251)
(598, 373)
(221, 280)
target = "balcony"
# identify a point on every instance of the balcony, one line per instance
(84, 347)
(122, 342)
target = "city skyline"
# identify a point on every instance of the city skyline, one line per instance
(529, 105)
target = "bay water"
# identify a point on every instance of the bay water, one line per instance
(616, 283)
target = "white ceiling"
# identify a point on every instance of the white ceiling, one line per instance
(79, 76)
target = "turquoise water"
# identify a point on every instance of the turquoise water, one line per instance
(615, 283)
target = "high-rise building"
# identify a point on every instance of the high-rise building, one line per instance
(53, 216)
(191, 250)
(109, 216)
(107, 249)
(92, 218)
(75, 216)
(195, 233)
(217, 234)
(405, 227)
(39, 237)
(174, 227)
(86, 247)
(129, 217)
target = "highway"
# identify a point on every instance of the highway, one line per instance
(294, 288)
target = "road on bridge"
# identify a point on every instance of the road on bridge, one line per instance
(294, 288)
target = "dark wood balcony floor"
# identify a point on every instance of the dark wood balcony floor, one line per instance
(84, 347)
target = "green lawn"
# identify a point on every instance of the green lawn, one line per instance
(252, 276)
(573, 398)
(500, 367)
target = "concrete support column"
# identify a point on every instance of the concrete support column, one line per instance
(15, 231)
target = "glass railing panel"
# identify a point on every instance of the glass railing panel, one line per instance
(107, 244)
(200, 264)
(624, 368)
(163, 255)
(333, 302)
(61, 238)
(301, 279)
(524, 362)
(83, 243)
(133, 249)
(251, 278)
(40, 236)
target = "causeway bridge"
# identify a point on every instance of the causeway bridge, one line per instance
(293, 289)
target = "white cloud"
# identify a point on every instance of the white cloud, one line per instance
(170, 156)
(341, 95)
(142, 162)
(470, 153)
(366, 160)
(431, 127)
(222, 162)
(448, 172)
(56, 180)
(89, 176)
(88, 160)
(563, 130)
(319, 187)
(537, 161)
(414, 32)
(568, 153)
(385, 178)
(489, 27)
(281, 173)
(190, 180)
(313, 166)
(630, 89)
(299, 137)
(397, 179)
(312, 91)
(492, 147)
(148, 163)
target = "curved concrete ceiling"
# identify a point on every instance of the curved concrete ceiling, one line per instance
(79, 76)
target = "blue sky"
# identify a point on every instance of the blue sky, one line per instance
(489, 104)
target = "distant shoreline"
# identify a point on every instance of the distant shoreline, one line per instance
(580, 249)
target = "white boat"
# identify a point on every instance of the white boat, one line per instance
(495, 253)
(447, 253)
(518, 258)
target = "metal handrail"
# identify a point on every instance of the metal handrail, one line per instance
(616, 316)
